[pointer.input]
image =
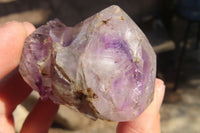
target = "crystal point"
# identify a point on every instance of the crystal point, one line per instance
(103, 66)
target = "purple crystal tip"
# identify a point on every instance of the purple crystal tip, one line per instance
(103, 66)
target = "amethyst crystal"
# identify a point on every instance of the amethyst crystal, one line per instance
(103, 67)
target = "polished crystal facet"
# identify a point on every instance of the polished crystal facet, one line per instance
(103, 66)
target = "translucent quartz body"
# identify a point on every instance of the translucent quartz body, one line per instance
(103, 66)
